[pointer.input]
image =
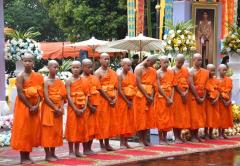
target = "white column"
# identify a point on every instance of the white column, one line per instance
(3, 104)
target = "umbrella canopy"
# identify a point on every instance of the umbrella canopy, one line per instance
(107, 49)
(93, 43)
(138, 43)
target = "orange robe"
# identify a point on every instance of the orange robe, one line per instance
(52, 132)
(107, 115)
(76, 126)
(181, 114)
(212, 111)
(164, 118)
(25, 131)
(226, 117)
(92, 120)
(127, 127)
(145, 114)
(197, 111)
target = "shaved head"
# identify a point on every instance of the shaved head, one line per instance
(76, 63)
(164, 58)
(222, 66)
(126, 61)
(152, 58)
(196, 55)
(103, 55)
(180, 57)
(28, 55)
(211, 66)
(52, 62)
(86, 61)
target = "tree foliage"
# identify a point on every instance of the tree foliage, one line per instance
(23, 14)
(104, 19)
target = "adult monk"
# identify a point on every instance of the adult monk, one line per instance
(76, 125)
(52, 112)
(26, 120)
(198, 79)
(107, 112)
(180, 105)
(93, 103)
(225, 103)
(143, 101)
(212, 103)
(126, 90)
(164, 100)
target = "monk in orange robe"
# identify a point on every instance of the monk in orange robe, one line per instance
(93, 103)
(181, 116)
(107, 112)
(126, 90)
(212, 103)
(77, 95)
(198, 79)
(164, 100)
(26, 121)
(225, 103)
(52, 112)
(143, 101)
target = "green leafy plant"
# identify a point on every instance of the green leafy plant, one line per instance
(28, 34)
(66, 65)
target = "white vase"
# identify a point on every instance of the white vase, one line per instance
(234, 64)
(19, 67)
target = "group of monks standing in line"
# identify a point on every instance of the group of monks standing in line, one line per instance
(107, 104)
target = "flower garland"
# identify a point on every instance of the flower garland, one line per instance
(16, 48)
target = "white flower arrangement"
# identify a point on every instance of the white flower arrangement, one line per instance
(6, 122)
(5, 137)
(16, 48)
(64, 75)
(231, 43)
(180, 39)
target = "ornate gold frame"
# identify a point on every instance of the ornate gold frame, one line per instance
(208, 5)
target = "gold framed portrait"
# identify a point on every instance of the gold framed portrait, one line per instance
(205, 18)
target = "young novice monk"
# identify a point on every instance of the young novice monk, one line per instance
(52, 112)
(93, 103)
(107, 114)
(127, 90)
(212, 104)
(225, 104)
(143, 101)
(181, 114)
(164, 99)
(197, 79)
(26, 121)
(77, 92)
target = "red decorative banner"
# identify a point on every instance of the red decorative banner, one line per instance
(140, 16)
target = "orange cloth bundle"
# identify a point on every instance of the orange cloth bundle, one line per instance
(129, 91)
(79, 99)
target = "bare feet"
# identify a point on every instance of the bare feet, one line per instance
(26, 161)
(54, 156)
(123, 147)
(178, 141)
(147, 143)
(50, 158)
(128, 146)
(71, 155)
(109, 148)
(224, 136)
(78, 154)
(141, 144)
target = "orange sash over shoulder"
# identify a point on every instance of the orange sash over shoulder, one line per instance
(109, 83)
(200, 79)
(225, 87)
(25, 131)
(212, 87)
(164, 120)
(57, 93)
(181, 114)
(145, 114)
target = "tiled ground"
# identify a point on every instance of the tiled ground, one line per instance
(10, 157)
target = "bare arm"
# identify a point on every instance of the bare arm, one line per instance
(160, 90)
(139, 84)
(70, 102)
(120, 89)
(19, 84)
(192, 88)
(48, 101)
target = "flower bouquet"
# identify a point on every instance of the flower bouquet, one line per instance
(231, 43)
(180, 38)
(16, 48)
